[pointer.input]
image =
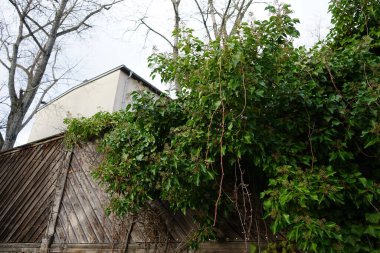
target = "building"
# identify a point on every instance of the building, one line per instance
(109, 92)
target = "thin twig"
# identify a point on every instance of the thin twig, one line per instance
(310, 133)
(156, 32)
(221, 145)
(245, 94)
(203, 19)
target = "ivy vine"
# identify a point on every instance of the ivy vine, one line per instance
(299, 127)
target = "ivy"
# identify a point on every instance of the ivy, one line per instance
(299, 127)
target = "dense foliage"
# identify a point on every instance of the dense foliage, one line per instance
(300, 127)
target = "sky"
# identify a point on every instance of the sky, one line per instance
(112, 41)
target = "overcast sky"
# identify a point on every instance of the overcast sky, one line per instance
(111, 42)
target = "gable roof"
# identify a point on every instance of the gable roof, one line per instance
(122, 68)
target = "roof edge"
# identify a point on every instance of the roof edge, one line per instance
(122, 67)
(128, 71)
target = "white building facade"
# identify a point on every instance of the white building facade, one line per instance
(110, 91)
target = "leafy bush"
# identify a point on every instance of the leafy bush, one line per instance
(301, 126)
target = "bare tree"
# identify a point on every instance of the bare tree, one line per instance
(219, 19)
(30, 48)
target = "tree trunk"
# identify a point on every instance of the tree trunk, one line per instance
(1, 141)
(177, 19)
(14, 123)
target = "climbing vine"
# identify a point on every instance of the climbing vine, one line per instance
(257, 116)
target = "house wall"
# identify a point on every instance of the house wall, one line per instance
(109, 93)
(126, 86)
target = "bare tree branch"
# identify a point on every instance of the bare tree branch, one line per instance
(213, 18)
(159, 34)
(46, 90)
(204, 20)
(31, 33)
(239, 17)
(24, 69)
(224, 20)
(4, 44)
(13, 63)
(4, 64)
(40, 28)
(22, 15)
(83, 22)
(177, 19)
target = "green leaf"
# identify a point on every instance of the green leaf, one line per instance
(139, 157)
(260, 93)
(287, 218)
(373, 217)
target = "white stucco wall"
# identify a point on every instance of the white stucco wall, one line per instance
(110, 93)
(126, 86)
